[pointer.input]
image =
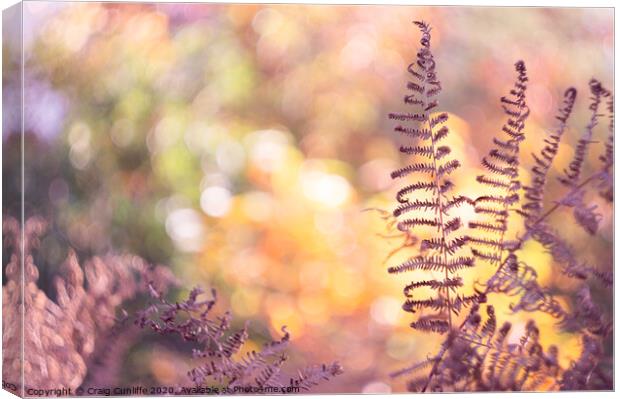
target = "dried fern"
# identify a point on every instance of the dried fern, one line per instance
(607, 180)
(432, 204)
(62, 338)
(478, 357)
(218, 347)
(475, 355)
(534, 194)
(573, 173)
(79, 339)
(488, 239)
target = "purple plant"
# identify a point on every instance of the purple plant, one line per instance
(432, 205)
(62, 337)
(488, 238)
(218, 347)
(475, 355)
(81, 337)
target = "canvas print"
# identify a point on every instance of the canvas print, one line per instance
(220, 199)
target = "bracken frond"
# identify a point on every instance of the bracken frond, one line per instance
(607, 159)
(432, 263)
(407, 224)
(573, 173)
(438, 326)
(535, 192)
(423, 186)
(416, 205)
(587, 315)
(219, 349)
(503, 163)
(447, 246)
(71, 334)
(479, 357)
(450, 283)
(578, 376)
(563, 254)
(431, 192)
(475, 354)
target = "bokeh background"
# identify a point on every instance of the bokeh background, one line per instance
(242, 144)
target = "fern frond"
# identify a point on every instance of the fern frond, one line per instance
(423, 134)
(219, 348)
(587, 315)
(438, 326)
(418, 150)
(489, 227)
(431, 193)
(563, 254)
(535, 193)
(312, 376)
(443, 245)
(441, 134)
(432, 263)
(504, 200)
(578, 375)
(476, 354)
(497, 183)
(407, 224)
(456, 202)
(423, 364)
(424, 186)
(401, 116)
(419, 167)
(416, 205)
(573, 173)
(452, 225)
(413, 305)
(450, 283)
(607, 159)
(517, 279)
(503, 163)
(437, 120)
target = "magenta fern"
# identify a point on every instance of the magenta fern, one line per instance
(432, 204)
